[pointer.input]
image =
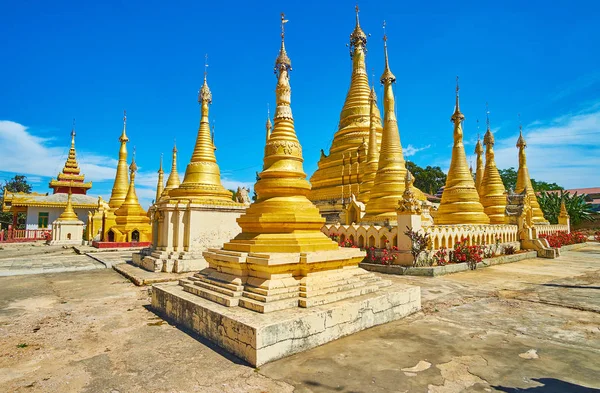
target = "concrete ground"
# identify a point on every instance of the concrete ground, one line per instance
(529, 326)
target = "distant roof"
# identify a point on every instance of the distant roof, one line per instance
(54, 200)
(579, 191)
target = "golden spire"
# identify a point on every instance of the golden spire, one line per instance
(354, 126)
(69, 214)
(480, 167)
(370, 168)
(492, 191)
(282, 219)
(160, 185)
(130, 211)
(70, 176)
(460, 200)
(173, 179)
(388, 185)
(269, 126)
(121, 184)
(524, 181)
(202, 180)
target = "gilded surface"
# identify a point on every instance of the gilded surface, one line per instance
(480, 168)
(389, 182)
(173, 179)
(370, 167)
(460, 201)
(524, 182)
(328, 181)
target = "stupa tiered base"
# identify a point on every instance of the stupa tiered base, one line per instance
(260, 338)
(170, 262)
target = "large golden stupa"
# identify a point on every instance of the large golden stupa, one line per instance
(460, 199)
(492, 191)
(388, 185)
(329, 184)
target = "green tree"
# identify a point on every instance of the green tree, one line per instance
(429, 179)
(577, 206)
(509, 178)
(17, 184)
(544, 186)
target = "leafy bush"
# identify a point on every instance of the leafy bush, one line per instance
(577, 207)
(510, 250)
(419, 242)
(597, 236)
(381, 256)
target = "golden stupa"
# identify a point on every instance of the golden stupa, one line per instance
(282, 219)
(480, 167)
(460, 200)
(121, 184)
(68, 214)
(132, 222)
(370, 167)
(492, 191)
(524, 181)
(173, 179)
(160, 184)
(388, 185)
(202, 180)
(329, 185)
(70, 179)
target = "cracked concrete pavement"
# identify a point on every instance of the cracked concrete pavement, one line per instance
(531, 325)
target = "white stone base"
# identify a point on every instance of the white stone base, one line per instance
(171, 262)
(261, 338)
(65, 242)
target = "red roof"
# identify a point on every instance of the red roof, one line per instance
(579, 191)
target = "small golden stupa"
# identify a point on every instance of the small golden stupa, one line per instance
(173, 179)
(329, 184)
(460, 200)
(121, 184)
(493, 193)
(388, 185)
(202, 180)
(370, 167)
(524, 181)
(132, 222)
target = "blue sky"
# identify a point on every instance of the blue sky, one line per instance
(90, 60)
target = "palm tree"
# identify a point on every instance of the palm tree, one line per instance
(577, 206)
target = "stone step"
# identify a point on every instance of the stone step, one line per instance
(217, 288)
(337, 296)
(248, 293)
(222, 284)
(312, 291)
(266, 307)
(227, 301)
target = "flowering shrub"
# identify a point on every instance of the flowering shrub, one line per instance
(562, 238)
(597, 236)
(347, 243)
(471, 255)
(440, 257)
(381, 256)
(47, 235)
(419, 243)
(335, 237)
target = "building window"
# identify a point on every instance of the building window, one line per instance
(42, 220)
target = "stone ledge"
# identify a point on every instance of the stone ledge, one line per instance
(141, 277)
(261, 338)
(577, 246)
(433, 271)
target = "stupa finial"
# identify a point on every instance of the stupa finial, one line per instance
(269, 125)
(457, 116)
(387, 73)
(488, 138)
(123, 137)
(282, 61)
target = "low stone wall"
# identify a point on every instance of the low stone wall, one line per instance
(550, 229)
(433, 271)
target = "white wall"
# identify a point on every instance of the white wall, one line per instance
(53, 214)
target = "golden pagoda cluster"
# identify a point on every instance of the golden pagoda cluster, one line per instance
(123, 220)
(70, 179)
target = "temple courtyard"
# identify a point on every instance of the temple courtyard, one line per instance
(531, 326)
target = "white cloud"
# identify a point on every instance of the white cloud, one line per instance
(565, 150)
(16, 142)
(410, 150)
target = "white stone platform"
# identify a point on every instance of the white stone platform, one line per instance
(260, 338)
